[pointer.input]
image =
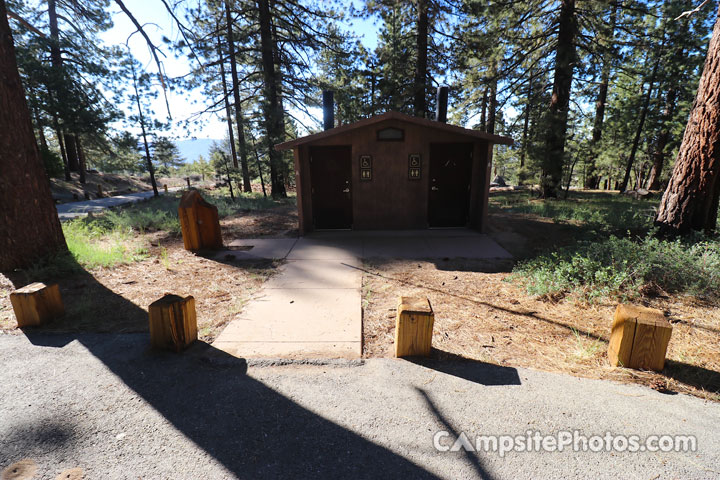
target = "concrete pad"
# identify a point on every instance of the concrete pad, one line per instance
(308, 248)
(400, 247)
(306, 322)
(291, 349)
(317, 274)
(299, 315)
(478, 247)
(264, 247)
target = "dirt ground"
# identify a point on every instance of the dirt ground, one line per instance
(481, 315)
(116, 299)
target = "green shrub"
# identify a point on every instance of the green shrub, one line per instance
(622, 267)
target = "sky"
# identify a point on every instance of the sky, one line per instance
(183, 104)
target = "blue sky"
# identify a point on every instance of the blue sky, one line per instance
(183, 104)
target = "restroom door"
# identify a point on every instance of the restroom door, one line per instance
(449, 196)
(331, 178)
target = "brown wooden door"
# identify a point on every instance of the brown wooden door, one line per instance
(450, 172)
(331, 178)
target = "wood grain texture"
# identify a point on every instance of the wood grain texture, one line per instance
(36, 304)
(413, 327)
(173, 322)
(199, 223)
(391, 200)
(639, 338)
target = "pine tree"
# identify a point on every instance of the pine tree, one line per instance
(690, 201)
(29, 230)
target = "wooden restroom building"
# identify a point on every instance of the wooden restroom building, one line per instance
(393, 171)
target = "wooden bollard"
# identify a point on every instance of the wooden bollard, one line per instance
(413, 327)
(165, 187)
(639, 338)
(100, 193)
(199, 222)
(36, 304)
(187, 179)
(173, 324)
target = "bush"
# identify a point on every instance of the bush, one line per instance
(623, 267)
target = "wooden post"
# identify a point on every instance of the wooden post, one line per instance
(165, 187)
(187, 179)
(639, 338)
(173, 324)
(100, 192)
(413, 327)
(36, 304)
(199, 222)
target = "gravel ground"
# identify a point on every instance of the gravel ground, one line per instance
(108, 405)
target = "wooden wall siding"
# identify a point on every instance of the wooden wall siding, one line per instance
(391, 200)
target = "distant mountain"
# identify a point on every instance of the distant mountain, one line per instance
(190, 149)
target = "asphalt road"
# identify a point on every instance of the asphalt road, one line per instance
(67, 211)
(110, 406)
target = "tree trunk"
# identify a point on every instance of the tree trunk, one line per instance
(29, 224)
(690, 201)
(421, 68)
(259, 167)
(40, 129)
(63, 152)
(552, 165)
(148, 160)
(492, 101)
(71, 151)
(526, 123)
(661, 141)
(238, 106)
(81, 158)
(228, 115)
(272, 108)
(483, 111)
(593, 177)
(641, 124)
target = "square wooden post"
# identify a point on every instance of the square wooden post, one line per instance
(173, 324)
(199, 222)
(413, 327)
(36, 304)
(639, 338)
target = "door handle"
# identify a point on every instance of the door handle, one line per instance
(346, 190)
(434, 188)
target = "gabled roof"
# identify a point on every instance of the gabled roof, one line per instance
(395, 116)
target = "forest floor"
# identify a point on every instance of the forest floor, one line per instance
(153, 263)
(481, 311)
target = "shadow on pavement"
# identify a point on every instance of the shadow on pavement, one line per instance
(471, 370)
(254, 431)
(454, 433)
(205, 393)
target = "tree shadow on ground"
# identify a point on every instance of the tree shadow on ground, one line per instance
(454, 433)
(254, 431)
(692, 375)
(468, 369)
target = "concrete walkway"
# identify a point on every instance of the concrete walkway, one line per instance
(312, 307)
(68, 211)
